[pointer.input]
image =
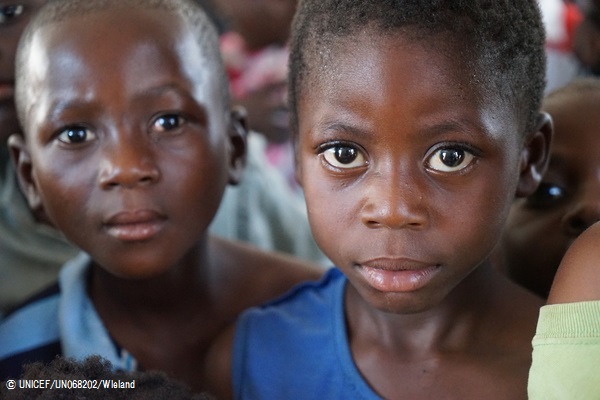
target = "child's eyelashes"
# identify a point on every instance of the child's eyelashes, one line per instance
(450, 159)
(444, 159)
(161, 124)
(9, 12)
(168, 122)
(343, 156)
(75, 135)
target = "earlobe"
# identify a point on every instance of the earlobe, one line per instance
(22, 161)
(535, 156)
(238, 141)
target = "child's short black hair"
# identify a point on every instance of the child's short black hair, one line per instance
(148, 385)
(189, 10)
(501, 41)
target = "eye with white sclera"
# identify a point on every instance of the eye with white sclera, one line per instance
(168, 122)
(76, 135)
(450, 159)
(344, 157)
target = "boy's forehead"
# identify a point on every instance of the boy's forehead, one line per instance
(93, 35)
(69, 52)
(369, 49)
(364, 69)
(437, 51)
(87, 26)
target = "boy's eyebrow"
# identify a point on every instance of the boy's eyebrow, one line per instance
(462, 125)
(338, 126)
(161, 89)
(60, 105)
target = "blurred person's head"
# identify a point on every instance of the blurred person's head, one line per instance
(586, 42)
(541, 227)
(260, 22)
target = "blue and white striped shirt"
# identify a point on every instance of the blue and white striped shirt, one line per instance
(60, 321)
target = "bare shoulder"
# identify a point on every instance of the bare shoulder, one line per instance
(217, 368)
(510, 314)
(578, 276)
(245, 277)
(504, 343)
(259, 274)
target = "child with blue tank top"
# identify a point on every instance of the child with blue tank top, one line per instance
(416, 123)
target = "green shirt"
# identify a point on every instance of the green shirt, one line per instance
(566, 353)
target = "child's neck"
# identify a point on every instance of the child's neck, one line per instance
(452, 323)
(167, 322)
(481, 330)
(181, 289)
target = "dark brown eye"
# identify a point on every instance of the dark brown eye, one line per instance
(344, 157)
(75, 135)
(168, 122)
(450, 159)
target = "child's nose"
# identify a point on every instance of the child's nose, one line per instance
(394, 203)
(128, 163)
(584, 212)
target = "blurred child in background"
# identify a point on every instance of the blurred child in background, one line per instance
(541, 227)
(255, 50)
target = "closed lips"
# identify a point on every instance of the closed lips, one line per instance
(135, 226)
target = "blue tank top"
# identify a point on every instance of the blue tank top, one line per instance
(296, 347)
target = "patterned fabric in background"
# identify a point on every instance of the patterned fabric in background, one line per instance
(249, 71)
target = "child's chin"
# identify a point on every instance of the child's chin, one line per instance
(400, 302)
(136, 271)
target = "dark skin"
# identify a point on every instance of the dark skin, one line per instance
(541, 227)
(14, 16)
(577, 278)
(128, 150)
(428, 317)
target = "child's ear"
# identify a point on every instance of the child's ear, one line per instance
(238, 141)
(535, 156)
(24, 168)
